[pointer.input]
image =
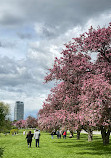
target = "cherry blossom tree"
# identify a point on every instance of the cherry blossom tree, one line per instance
(85, 97)
(31, 122)
(20, 124)
(99, 41)
(95, 105)
(54, 114)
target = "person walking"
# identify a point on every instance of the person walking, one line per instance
(52, 133)
(64, 135)
(36, 137)
(29, 138)
(57, 134)
(24, 132)
(60, 133)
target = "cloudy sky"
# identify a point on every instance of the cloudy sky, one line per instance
(32, 33)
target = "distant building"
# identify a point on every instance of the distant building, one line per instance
(19, 111)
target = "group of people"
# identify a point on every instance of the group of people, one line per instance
(36, 137)
(58, 133)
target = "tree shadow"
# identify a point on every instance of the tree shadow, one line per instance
(95, 147)
(1, 152)
(61, 142)
(89, 148)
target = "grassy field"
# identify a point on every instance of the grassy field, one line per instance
(16, 147)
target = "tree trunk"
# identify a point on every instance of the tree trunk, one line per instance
(90, 135)
(78, 134)
(105, 135)
(90, 132)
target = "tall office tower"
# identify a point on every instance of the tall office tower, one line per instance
(19, 111)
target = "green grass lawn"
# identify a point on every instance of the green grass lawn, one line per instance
(16, 147)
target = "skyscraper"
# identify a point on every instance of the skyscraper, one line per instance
(19, 110)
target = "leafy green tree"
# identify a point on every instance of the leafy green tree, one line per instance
(4, 120)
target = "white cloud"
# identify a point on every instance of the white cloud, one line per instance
(32, 34)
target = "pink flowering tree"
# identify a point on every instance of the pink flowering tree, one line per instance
(20, 124)
(31, 122)
(60, 109)
(56, 110)
(99, 41)
(87, 83)
(95, 105)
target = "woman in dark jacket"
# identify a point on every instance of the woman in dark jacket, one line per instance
(29, 138)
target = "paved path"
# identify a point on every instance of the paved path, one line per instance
(94, 132)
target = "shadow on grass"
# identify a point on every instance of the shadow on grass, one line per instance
(83, 147)
(1, 152)
(61, 142)
(95, 149)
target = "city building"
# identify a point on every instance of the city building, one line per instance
(19, 111)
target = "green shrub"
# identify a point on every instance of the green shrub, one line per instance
(14, 131)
